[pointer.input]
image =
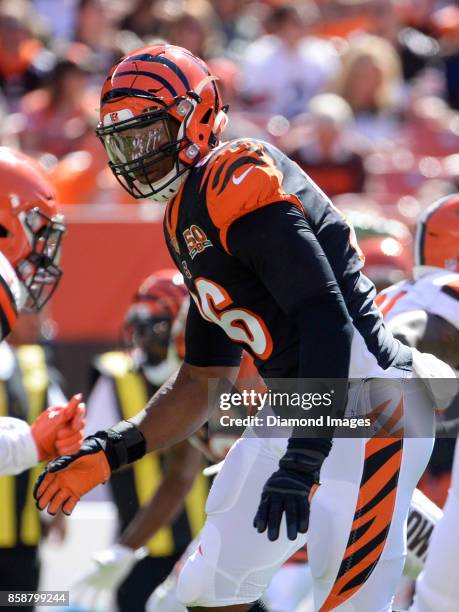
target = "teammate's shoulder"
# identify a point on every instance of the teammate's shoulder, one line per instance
(113, 364)
(239, 177)
(438, 281)
(395, 288)
(10, 296)
(449, 284)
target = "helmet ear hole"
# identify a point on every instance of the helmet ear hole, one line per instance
(4, 233)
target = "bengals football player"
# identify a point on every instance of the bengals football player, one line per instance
(31, 231)
(272, 267)
(424, 312)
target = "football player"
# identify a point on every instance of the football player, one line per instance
(150, 494)
(273, 267)
(424, 312)
(31, 231)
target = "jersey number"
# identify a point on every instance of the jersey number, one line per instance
(239, 324)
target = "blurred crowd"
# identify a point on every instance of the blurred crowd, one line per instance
(363, 94)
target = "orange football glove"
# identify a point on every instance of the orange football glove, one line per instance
(59, 430)
(66, 479)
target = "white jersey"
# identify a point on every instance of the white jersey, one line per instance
(432, 290)
(17, 447)
(18, 451)
(10, 297)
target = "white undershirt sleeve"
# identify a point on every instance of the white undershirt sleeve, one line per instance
(18, 451)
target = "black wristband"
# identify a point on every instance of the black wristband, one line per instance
(122, 444)
(305, 457)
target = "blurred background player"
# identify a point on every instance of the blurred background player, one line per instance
(31, 231)
(424, 312)
(160, 499)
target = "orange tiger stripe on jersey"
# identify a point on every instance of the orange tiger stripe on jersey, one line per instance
(385, 304)
(386, 428)
(376, 412)
(7, 306)
(393, 420)
(240, 179)
(372, 519)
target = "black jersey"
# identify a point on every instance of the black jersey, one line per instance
(257, 242)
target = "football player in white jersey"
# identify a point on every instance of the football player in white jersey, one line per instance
(424, 312)
(31, 231)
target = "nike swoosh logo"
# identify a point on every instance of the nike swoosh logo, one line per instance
(238, 179)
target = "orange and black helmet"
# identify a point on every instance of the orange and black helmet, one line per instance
(151, 315)
(31, 228)
(437, 235)
(160, 113)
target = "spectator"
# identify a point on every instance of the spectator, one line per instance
(57, 117)
(192, 27)
(370, 81)
(324, 146)
(95, 29)
(241, 123)
(238, 23)
(24, 63)
(284, 69)
(141, 19)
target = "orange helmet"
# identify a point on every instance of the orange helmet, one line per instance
(30, 227)
(387, 260)
(160, 113)
(155, 306)
(437, 235)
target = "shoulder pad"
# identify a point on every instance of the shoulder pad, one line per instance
(113, 364)
(240, 178)
(452, 289)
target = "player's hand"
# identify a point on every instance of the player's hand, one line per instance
(111, 566)
(59, 430)
(66, 479)
(291, 488)
(284, 492)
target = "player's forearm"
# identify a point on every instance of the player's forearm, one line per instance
(180, 407)
(161, 510)
(182, 465)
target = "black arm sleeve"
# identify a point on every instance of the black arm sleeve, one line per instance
(279, 245)
(206, 345)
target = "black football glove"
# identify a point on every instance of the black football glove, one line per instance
(287, 490)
